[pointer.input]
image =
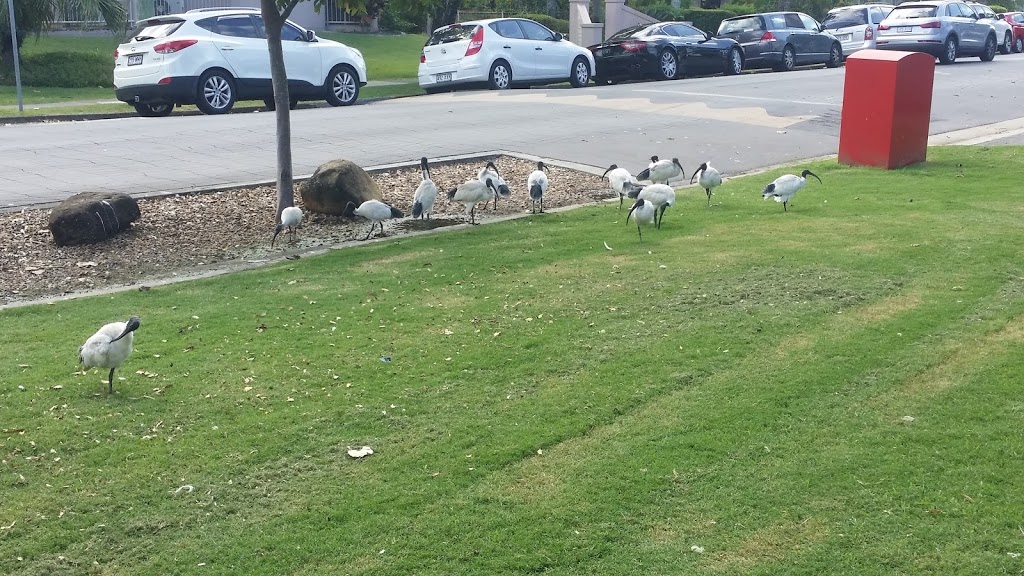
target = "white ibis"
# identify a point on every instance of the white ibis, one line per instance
(491, 171)
(621, 181)
(786, 186)
(471, 193)
(660, 195)
(426, 193)
(643, 212)
(109, 347)
(662, 171)
(709, 179)
(291, 217)
(537, 184)
(375, 211)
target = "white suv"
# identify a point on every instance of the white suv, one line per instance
(215, 57)
(856, 27)
(1004, 31)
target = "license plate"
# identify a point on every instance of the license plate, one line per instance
(445, 77)
(904, 28)
(134, 59)
(846, 37)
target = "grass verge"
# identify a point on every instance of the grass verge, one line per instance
(832, 390)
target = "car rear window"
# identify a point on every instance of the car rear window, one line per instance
(844, 18)
(737, 25)
(453, 33)
(627, 33)
(905, 12)
(154, 28)
(1018, 18)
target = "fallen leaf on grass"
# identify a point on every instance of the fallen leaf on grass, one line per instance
(607, 246)
(187, 489)
(360, 452)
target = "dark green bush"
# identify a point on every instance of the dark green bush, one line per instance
(706, 20)
(392, 21)
(62, 70)
(999, 9)
(556, 24)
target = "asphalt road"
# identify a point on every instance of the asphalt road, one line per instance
(739, 123)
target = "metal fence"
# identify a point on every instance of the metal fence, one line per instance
(337, 15)
(73, 15)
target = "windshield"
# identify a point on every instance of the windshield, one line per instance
(844, 18)
(907, 12)
(627, 33)
(453, 33)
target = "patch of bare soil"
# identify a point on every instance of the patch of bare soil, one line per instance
(177, 235)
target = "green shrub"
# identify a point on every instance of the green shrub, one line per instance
(62, 70)
(999, 9)
(556, 24)
(392, 21)
(740, 9)
(706, 20)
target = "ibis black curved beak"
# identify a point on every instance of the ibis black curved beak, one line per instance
(542, 166)
(277, 230)
(490, 184)
(809, 173)
(350, 210)
(610, 168)
(131, 326)
(636, 205)
(425, 168)
(676, 162)
(697, 171)
(493, 167)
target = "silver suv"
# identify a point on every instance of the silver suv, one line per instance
(856, 27)
(943, 29)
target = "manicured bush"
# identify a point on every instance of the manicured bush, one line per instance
(999, 9)
(706, 20)
(740, 9)
(392, 21)
(556, 24)
(62, 70)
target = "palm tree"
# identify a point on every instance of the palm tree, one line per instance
(35, 16)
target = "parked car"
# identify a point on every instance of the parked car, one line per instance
(1004, 31)
(500, 53)
(665, 50)
(215, 57)
(782, 40)
(1016, 21)
(856, 27)
(945, 29)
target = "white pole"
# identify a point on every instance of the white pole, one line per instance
(14, 44)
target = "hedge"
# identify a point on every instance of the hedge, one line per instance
(706, 20)
(62, 70)
(999, 9)
(556, 24)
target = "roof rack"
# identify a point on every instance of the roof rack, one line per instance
(223, 8)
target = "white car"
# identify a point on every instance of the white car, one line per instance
(1004, 30)
(215, 57)
(856, 27)
(500, 53)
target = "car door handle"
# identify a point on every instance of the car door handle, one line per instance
(227, 49)
(507, 47)
(538, 48)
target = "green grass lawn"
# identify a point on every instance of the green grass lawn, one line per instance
(388, 56)
(832, 390)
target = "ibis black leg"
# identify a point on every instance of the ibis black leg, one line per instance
(110, 381)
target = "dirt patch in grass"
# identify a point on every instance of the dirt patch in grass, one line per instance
(772, 543)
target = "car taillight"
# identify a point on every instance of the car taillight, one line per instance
(883, 26)
(935, 24)
(423, 57)
(767, 37)
(165, 80)
(869, 33)
(476, 42)
(634, 46)
(115, 53)
(173, 46)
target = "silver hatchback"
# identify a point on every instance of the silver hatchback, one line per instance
(945, 30)
(856, 27)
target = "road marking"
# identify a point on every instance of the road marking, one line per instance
(979, 134)
(757, 98)
(743, 115)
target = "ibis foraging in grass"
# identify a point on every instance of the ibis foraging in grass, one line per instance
(786, 186)
(471, 193)
(643, 212)
(621, 181)
(109, 347)
(426, 193)
(537, 184)
(661, 196)
(709, 179)
(491, 171)
(375, 211)
(662, 171)
(291, 217)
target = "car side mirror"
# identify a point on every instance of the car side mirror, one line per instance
(1001, 16)
(310, 36)
(558, 37)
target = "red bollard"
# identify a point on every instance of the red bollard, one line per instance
(887, 104)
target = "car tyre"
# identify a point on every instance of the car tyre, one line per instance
(580, 73)
(1018, 45)
(835, 56)
(342, 86)
(668, 65)
(989, 53)
(153, 110)
(215, 92)
(293, 103)
(1007, 46)
(788, 60)
(734, 62)
(949, 51)
(500, 76)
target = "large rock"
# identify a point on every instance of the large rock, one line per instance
(92, 217)
(335, 184)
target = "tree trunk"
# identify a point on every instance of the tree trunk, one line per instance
(273, 22)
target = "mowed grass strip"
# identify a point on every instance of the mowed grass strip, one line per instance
(832, 390)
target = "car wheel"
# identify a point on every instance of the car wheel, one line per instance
(580, 73)
(500, 77)
(835, 56)
(1007, 46)
(949, 50)
(1018, 46)
(216, 92)
(668, 65)
(293, 103)
(989, 53)
(153, 110)
(788, 60)
(735, 65)
(342, 86)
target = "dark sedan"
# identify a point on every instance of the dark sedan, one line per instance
(783, 40)
(665, 50)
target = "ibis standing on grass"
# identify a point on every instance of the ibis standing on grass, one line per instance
(537, 184)
(621, 181)
(426, 193)
(786, 186)
(643, 212)
(662, 171)
(375, 211)
(109, 347)
(491, 172)
(471, 193)
(291, 217)
(709, 179)
(661, 196)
